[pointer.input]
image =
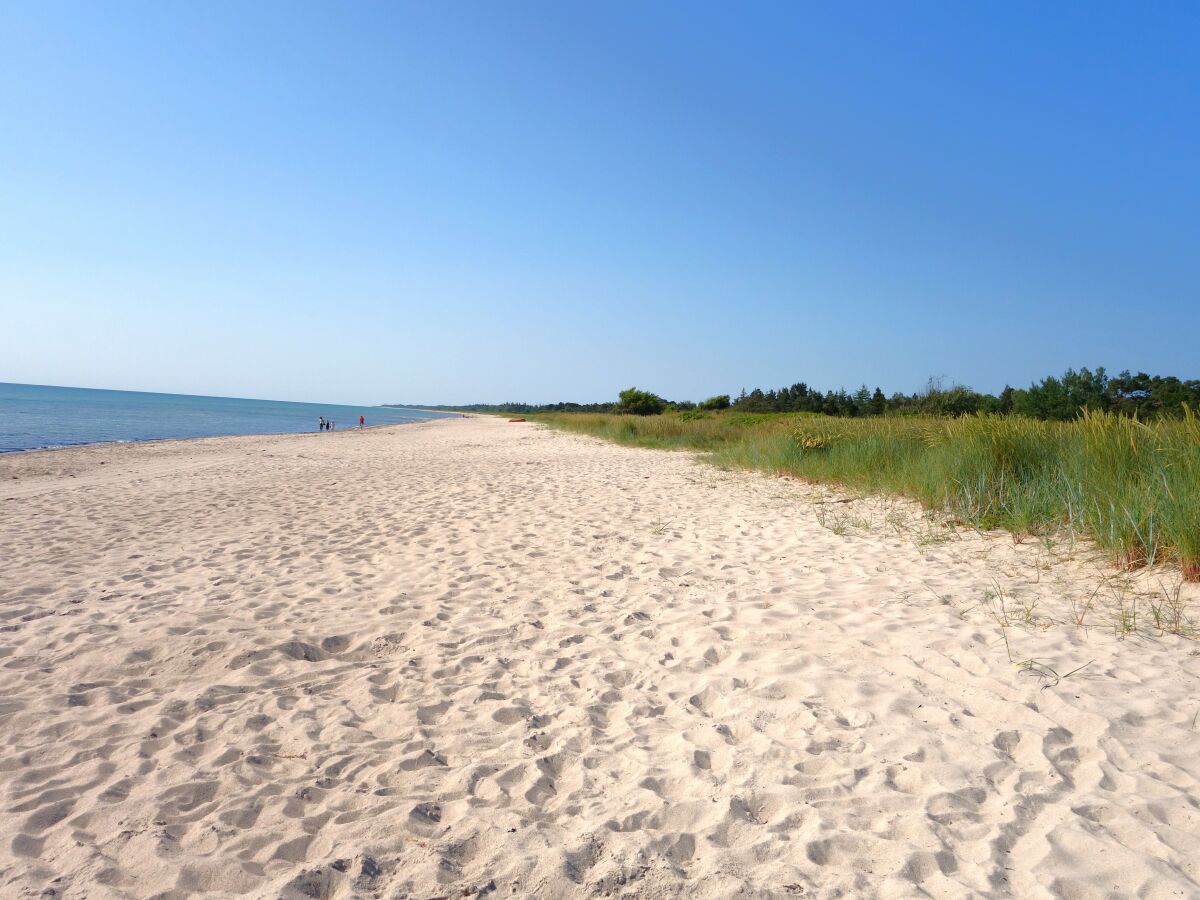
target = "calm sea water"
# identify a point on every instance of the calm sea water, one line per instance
(34, 417)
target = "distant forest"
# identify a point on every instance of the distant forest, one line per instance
(1062, 398)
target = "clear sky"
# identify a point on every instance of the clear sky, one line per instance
(458, 202)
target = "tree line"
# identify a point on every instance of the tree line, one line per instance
(1061, 398)
(1053, 398)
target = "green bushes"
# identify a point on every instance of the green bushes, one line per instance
(640, 403)
(1133, 487)
(721, 401)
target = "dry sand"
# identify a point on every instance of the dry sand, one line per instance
(469, 657)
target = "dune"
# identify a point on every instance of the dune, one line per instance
(474, 658)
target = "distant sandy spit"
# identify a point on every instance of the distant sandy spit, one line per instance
(473, 658)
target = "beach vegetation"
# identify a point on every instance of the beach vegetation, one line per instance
(640, 403)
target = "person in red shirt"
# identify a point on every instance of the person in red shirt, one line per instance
(361, 421)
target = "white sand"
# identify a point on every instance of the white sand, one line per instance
(469, 656)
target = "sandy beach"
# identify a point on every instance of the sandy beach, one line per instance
(474, 658)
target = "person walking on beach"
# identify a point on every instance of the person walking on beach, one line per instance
(361, 421)
(321, 423)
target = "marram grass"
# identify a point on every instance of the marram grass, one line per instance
(1134, 487)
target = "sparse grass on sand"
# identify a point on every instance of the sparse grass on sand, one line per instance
(1133, 487)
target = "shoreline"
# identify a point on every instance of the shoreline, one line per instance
(205, 437)
(41, 470)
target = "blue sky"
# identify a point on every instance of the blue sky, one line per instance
(458, 202)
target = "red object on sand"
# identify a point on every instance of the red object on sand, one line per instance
(516, 420)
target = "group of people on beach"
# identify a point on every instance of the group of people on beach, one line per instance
(324, 424)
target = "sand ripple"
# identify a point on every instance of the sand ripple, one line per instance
(470, 658)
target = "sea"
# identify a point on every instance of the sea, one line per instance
(40, 417)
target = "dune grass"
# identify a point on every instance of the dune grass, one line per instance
(1133, 487)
